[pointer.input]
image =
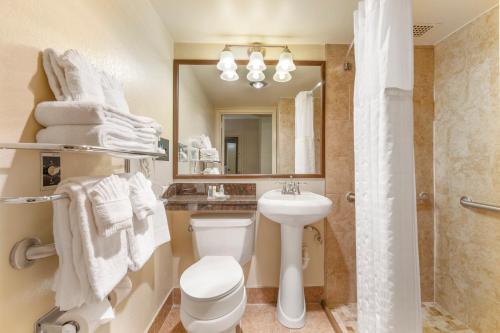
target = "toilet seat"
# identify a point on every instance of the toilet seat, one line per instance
(212, 287)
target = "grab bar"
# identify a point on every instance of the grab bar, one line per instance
(468, 203)
(351, 196)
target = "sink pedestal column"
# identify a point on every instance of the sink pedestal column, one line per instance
(291, 302)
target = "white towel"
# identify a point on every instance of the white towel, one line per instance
(53, 113)
(99, 262)
(111, 205)
(55, 75)
(304, 133)
(82, 78)
(116, 137)
(162, 233)
(141, 242)
(209, 154)
(113, 93)
(142, 196)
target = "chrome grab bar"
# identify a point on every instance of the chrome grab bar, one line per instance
(351, 196)
(25, 200)
(468, 203)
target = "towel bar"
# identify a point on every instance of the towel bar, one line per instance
(468, 203)
(25, 200)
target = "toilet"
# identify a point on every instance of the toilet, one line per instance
(213, 295)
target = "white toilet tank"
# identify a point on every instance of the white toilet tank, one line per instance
(230, 234)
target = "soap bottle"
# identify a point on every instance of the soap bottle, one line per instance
(221, 190)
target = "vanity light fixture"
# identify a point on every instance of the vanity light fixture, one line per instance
(256, 65)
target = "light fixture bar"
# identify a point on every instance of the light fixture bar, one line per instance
(257, 45)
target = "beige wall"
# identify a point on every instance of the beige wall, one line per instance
(340, 246)
(467, 162)
(127, 38)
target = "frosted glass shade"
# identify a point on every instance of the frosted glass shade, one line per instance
(229, 76)
(256, 62)
(255, 76)
(282, 76)
(285, 62)
(226, 61)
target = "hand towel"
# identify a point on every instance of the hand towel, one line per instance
(82, 78)
(161, 231)
(55, 75)
(116, 137)
(142, 196)
(209, 154)
(53, 113)
(111, 205)
(141, 242)
(70, 292)
(113, 93)
(99, 262)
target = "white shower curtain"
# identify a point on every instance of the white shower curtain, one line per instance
(304, 133)
(386, 232)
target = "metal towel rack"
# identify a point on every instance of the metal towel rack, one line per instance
(351, 196)
(28, 250)
(468, 203)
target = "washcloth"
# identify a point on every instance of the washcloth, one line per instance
(142, 196)
(55, 75)
(98, 262)
(53, 113)
(111, 205)
(115, 137)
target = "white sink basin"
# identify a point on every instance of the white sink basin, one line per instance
(293, 212)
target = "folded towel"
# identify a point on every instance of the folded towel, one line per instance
(210, 154)
(111, 205)
(161, 232)
(113, 93)
(82, 78)
(142, 196)
(115, 137)
(55, 75)
(53, 113)
(98, 262)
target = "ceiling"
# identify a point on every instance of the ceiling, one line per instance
(223, 94)
(298, 21)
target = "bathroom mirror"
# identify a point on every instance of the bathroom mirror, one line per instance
(239, 129)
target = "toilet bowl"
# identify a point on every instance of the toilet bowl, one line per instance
(213, 295)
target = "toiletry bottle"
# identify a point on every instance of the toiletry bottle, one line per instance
(210, 191)
(221, 190)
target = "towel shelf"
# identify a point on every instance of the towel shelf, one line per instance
(468, 203)
(52, 147)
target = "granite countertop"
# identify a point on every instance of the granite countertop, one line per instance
(193, 197)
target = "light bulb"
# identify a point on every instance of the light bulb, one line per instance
(255, 76)
(256, 62)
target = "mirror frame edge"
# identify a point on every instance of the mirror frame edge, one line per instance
(175, 123)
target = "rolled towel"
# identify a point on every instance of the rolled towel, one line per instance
(111, 205)
(142, 196)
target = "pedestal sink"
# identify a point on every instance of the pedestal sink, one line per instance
(293, 212)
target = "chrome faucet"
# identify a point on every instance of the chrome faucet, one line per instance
(291, 187)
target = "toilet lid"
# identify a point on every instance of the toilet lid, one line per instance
(211, 277)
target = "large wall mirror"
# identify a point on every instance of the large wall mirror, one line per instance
(236, 129)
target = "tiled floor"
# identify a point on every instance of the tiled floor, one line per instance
(261, 318)
(436, 319)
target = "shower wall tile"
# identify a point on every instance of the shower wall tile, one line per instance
(467, 155)
(340, 245)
